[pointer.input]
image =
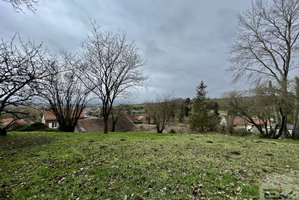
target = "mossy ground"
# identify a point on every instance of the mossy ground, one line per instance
(57, 165)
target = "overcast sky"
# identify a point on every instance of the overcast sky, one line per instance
(182, 41)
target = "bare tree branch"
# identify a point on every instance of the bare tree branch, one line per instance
(17, 4)
(160, 111)
(65, 95)
(109, 66)
(23, 65)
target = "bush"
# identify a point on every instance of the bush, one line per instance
(172, 131)
(19, 128)
(242, 132)
(37, 126)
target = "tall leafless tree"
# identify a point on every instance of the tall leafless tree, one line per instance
(266, 47)
(110, 67)
(17, 4)
(66, 95)
(160, 111)
(22, 67)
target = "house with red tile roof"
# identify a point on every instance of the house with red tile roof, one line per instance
(140, 118)
(242, 123)
(50, 119)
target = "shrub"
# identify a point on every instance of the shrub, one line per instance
(37, 126)
(19, 128)
(242, 132)
(172, 131)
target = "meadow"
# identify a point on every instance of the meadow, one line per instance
(138, 165)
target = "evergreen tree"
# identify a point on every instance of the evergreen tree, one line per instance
(199, 118)
(205, 114)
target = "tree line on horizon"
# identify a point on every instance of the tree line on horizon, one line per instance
(107, 65)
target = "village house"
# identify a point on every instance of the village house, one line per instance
(50, 120)
(140, 118)
(241, 123)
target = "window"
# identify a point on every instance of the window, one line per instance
(54, 125)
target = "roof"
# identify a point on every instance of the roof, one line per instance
(90, 125)
(6, 121)
(9, 122)
(260, 122)
(139, 117)
(48, 115)
(239, 121)
(97, 125)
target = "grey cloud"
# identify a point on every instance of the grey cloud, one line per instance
(182, 42)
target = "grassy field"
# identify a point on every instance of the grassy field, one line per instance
(140, 165)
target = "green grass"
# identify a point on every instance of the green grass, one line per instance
(139, 165)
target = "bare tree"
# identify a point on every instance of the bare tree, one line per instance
(17, 4)
(22, 66)
(110, 67)
(66, 95)
(267, 42)
(118, 112)
(160, 111)
(257, 107)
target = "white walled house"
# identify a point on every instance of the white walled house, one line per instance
(50, 120)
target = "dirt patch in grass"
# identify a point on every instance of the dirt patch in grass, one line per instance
(102, 147)
(235, 153)
(269, 155)
(258, 141)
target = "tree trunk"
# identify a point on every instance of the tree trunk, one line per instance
(113, 126)
(266, 129)
(295, 132)
(105, 125)
(3, 132)
(159, 130)
(260, 129)
(66, 129)
(66, 126)
(283, 131)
